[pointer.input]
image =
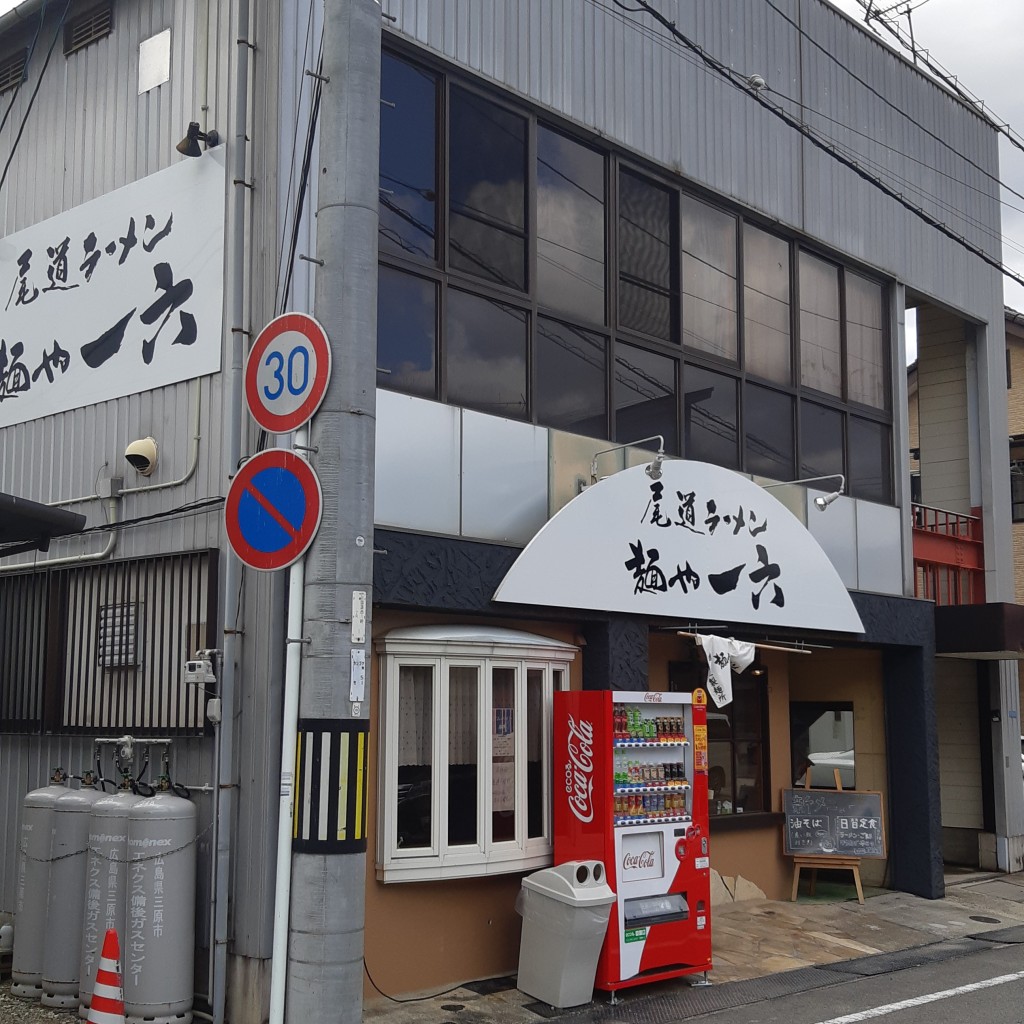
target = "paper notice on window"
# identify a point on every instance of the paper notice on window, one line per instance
(503, 786)
(503, 737)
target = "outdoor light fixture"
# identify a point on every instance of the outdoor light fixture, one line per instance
(189, 146)
(653, 470)
(822, 502)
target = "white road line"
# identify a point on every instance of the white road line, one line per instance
(881, 1011)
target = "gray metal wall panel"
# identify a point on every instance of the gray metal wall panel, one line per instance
(620, 74)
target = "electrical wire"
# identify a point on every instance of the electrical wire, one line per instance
(884, 99)
(738, 82)
(35, 91)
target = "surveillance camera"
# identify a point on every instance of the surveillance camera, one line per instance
(142, 455)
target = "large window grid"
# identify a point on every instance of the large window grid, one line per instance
(677, 326)
(465, 762)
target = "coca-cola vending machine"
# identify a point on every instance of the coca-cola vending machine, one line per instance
(631, 790)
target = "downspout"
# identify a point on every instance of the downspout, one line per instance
(233, 574)
(289, 731)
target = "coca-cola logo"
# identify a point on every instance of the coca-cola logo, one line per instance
(652, 698)
(638, 861)
(579, 769)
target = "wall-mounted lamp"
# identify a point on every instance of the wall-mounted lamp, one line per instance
(653, 470)
(823, 501)
(189, 146)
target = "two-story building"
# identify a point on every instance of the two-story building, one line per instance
(609, 242)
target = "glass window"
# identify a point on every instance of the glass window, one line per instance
(647, 242)
(572, 373)
(408, 159)
(820, 336)
(465, 756)
(737, 749)
(710, 424)
(570, 226)
(768, 433)
(487, 229)
(821, 440)
(821, 740)
(463, 762)
(503, 755)
(645, 396)
(869, 458)
(406, 333)
(1017, 491)
(415, 757)
(486, 355)
(536, 743)
(709, 278)
(867, 357)
(766, 327)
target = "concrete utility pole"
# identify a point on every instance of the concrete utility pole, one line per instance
(325, 970)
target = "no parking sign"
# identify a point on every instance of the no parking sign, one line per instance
(273, 509)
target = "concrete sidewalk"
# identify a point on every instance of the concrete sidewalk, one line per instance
(763, 948)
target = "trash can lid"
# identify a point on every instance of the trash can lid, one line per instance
(572, 882)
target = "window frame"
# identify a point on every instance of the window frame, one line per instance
(758, 683)
(443, 648)
(606, 322)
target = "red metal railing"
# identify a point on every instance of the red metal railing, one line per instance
(949, 556)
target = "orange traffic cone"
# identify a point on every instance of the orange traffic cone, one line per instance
(107, 1006)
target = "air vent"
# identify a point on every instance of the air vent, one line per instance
(12, 70)
(86, 28)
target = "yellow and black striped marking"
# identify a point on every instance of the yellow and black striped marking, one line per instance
(330, 786)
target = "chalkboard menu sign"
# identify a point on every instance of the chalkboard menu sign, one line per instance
(833, 823)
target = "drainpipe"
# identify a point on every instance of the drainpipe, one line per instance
(289, 731)
(232, 646)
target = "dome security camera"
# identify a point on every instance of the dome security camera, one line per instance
(142, 455)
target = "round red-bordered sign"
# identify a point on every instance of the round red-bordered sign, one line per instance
(273, 509)
(286, 372)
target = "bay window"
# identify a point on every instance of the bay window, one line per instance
(465, 762)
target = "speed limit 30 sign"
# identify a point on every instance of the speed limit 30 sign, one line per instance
(286, 372)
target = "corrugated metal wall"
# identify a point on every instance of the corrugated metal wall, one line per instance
(621, 74)
(88, 133)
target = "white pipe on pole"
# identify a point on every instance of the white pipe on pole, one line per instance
(289, 728)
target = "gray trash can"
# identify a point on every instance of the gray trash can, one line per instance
(565, 916)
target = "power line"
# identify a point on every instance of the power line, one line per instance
(946, 77)
(742, 85)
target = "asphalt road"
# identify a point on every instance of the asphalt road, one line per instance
(984, 988)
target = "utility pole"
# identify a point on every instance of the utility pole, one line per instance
(325, 954)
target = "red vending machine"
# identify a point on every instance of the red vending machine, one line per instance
(631, 790)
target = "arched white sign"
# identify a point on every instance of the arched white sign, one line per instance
(700, 543)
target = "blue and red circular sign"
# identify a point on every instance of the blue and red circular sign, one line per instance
(287, 372)
(273, 509)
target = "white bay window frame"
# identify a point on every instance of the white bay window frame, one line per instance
(441, 649)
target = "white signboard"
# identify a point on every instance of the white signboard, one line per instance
(120, 295)
(700, 543)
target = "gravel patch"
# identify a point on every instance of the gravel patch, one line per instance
(25, 1011)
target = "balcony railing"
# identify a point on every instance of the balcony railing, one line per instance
(949, 556)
